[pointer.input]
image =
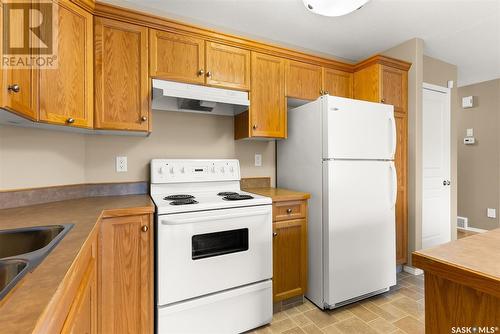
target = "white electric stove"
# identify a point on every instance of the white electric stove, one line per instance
(214, 248)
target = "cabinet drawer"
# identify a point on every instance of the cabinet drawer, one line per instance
(289, 210)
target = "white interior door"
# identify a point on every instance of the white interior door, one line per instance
(436, 201)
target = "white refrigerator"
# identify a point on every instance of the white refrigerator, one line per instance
(342, 151)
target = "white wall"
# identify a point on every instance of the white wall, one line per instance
(38, 158)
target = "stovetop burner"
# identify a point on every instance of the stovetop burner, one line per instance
(227, 193)
(178, 197)
(184, 202)
(237, 197)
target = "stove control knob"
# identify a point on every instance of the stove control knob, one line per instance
(212, 169)
(171, 170)
(222, 169)
(162, 170)
(183, 170)
(231, 169)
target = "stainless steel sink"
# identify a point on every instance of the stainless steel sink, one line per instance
(22, 249)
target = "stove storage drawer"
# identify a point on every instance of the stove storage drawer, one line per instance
(209, 251)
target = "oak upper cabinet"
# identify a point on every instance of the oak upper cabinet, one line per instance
(66, 93)
(394, 89)
(126, 275)
(227, 66)
(121, 76)
(267, 115)
(385, 80)
(303, 81)
(337, 83)
(176, 57)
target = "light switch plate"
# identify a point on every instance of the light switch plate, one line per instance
(121, 164)
(491, 213)
(258, 160)
(470, 132)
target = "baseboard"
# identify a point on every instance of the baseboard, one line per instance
(413, 270)
(472, 229)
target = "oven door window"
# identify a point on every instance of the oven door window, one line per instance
(219, 243)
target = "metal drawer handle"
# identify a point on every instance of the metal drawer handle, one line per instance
(144, 228)
(288, 210)
(275, 234)
(70, 120)
(14, 88)
(144, 118)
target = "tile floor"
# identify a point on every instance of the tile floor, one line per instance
(400, 310)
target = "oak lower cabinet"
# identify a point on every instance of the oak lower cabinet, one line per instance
(66, 93)
(385, 80)
(267, 115)
(289, 250)
(122, 93)
(126, 275)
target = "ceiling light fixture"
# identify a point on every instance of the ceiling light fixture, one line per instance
(333, 7)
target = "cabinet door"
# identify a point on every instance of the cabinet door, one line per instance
(337, 83)
(227, 66)
(267, 97)
(400, 160)
(176, 57)
(126, 275)
(289, 259)
(82, 317)
(303, 81)
(394, 88)
(367, 83)
(18, 87)
(66, 93)
(121, 76)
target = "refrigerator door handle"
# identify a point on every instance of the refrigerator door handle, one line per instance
(394, 175)
(394, 138)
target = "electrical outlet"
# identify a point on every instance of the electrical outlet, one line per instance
(121, 164)
(491, 213)
(258, 160)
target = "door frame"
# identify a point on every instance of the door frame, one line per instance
(447, 92)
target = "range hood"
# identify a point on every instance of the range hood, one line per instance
(175, 96)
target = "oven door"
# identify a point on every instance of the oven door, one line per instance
(210, 251)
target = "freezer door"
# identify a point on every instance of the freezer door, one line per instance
(359, 213)
(358, 130)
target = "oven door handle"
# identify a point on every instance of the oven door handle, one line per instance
(179, 221)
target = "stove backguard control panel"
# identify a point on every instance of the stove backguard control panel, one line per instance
(178, 170)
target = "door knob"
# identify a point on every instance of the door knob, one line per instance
(14, 88)
(144, 228)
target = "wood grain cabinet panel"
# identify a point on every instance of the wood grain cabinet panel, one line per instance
(227, 66)
(303, 81)
(400, 160)
(289, 259)
(121, 76)
(337, 83)
(394, 88)
(267, 98)
(126, 275)
(289, 210)
(367, 84)
(176, 57)
(66, 93)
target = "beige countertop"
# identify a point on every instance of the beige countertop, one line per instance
(23, 306)
(279, 194)
(473, 261)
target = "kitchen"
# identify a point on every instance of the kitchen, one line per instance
(123, 95)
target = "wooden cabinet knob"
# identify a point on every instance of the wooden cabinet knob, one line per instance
(144, 228)
(289, 211)
(70, 120)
